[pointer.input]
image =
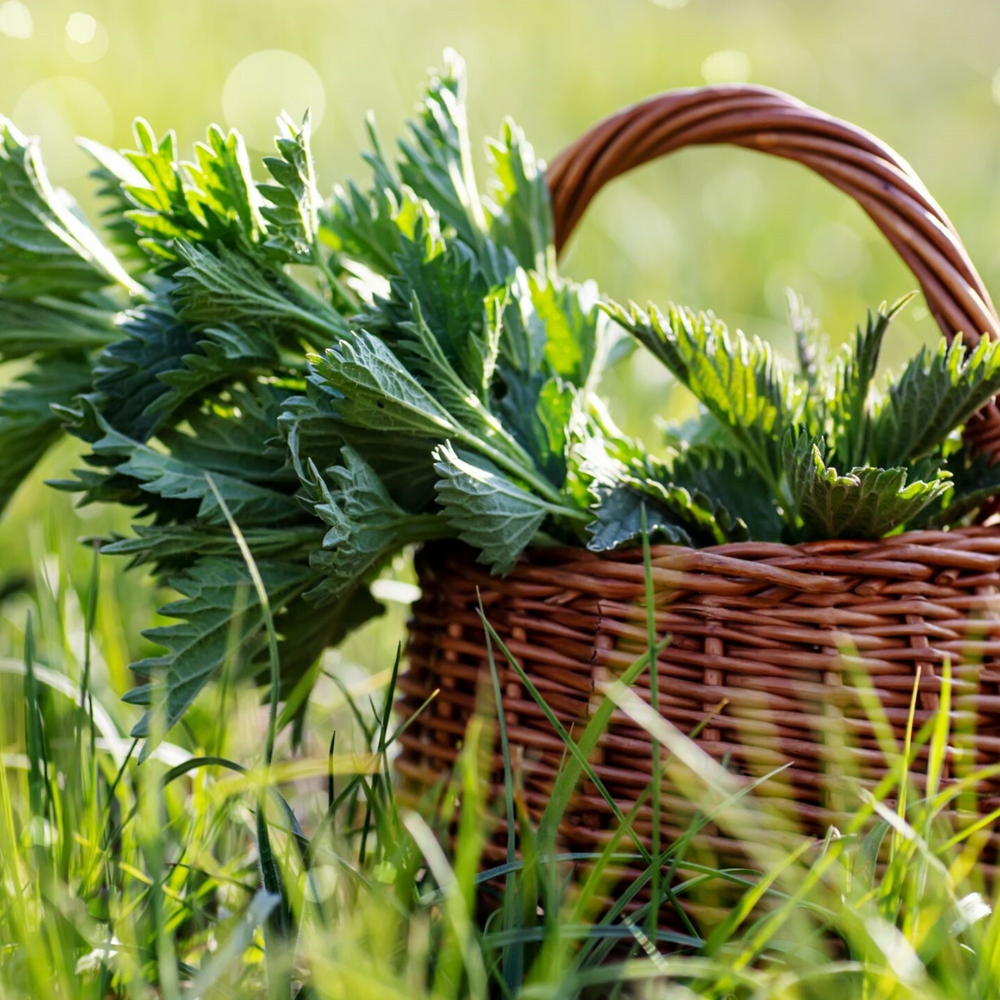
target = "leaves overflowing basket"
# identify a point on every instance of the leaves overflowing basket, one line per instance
(807, 659)
(291, 389)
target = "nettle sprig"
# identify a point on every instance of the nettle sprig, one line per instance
(821, 452)
(346, 375)
(343, 375)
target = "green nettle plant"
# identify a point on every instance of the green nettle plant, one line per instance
(333, 379)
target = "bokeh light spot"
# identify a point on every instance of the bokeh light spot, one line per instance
(263, 85)
(81, 28)
(58, 110)
(15, 20)
(726, 66)
(86, 38)
(996, 86)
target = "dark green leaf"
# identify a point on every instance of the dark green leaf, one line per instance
(45, 247)
(378, 392)
(365, 526)
(540, 413)
(738, 494)
(521, 216)
(937, 393)
(863, 503)
(219, 616)
(437, 162)
(452, 295)
(236, 435)
(174, 545)
(618, 519)
(488, 510)
(974, 480)
(162, 475)
(127, 374)
(736, 379)
(51, 326)
(27, 424)
(223, 287)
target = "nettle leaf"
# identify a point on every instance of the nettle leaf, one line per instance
(45, 247)
(223, 180)
(678, 509)
(171, 478)
(487, 509)
(223, 287)
(28, 426)
(403, 463)
(523, 336)
(521, 216)
(975, 479)
(223, 354)
(578, 336)
(738, 380)
(378, 391)
(420, 350)
(50, 326)
(293, 200)
(453, 296)
(172, 546)
(161, 363)
(936, 393)
(235, 433)
(365, 525)
(541, 414)
(863, 503)
(738, 495)
(368, 226)
(437, 162)
(618, 518)
(163, 207)
(211, 199)
(220, 616)
(127, 374)
(162, 475)
(849, 406)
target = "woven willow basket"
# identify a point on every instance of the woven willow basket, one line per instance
(756, 666)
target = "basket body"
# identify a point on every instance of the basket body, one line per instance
(767, 644)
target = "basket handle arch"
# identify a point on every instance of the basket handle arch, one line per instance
(770, 121)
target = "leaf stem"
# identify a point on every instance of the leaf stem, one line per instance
(540, 485)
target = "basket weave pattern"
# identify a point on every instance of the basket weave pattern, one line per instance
(767, 640)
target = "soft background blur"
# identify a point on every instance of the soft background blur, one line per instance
(716, 228)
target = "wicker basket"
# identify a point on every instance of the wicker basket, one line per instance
(759, 629)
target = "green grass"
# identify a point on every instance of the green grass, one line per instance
(230, 864)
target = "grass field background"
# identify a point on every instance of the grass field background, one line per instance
(710, 228)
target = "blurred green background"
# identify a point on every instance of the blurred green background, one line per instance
(717, 228)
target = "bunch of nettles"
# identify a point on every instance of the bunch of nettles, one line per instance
(333, 378)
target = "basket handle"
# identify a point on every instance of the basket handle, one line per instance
(769, 121)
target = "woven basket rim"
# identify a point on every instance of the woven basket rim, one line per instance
(805, 567)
